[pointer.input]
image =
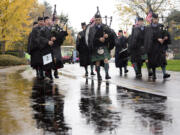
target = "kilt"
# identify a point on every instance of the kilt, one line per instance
(99, 57)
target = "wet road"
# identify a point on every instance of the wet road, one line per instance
(78, 106)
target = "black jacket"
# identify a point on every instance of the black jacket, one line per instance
(156, 53)
(121, 59)
(95, 33)
(136, 46)
(83, 49)
(44, 38)
(60, 35)
(34, 47)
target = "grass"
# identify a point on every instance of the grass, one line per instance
(173, 65)
(10, 60)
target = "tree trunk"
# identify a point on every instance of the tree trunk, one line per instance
(3, 48)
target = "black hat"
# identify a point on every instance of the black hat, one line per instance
(120, 31)
(40, 18)
(83, 24)
(140, 19)
(34, 23)
(97, 16)
(45, 18)
(155, 15)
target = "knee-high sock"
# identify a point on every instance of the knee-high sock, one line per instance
(120, 69)
(106, 67)
(41, 72)
(125, 68)
(154, 71)
(56, 72)
(163, 69)
(135, 67)
(92, 68)
(86, 69)
(37, 72)
(139, 68)
(148, 69)
(98, 70)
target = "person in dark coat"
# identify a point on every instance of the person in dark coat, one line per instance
(154, 43)
(84, 51)
(35, 24)
(60, 35)
(98, 41)
(34, 49)
(46, 41)
(121, 52)
(137, 49)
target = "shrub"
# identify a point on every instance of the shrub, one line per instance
(10, 60)
(14, 53)
(177, 56)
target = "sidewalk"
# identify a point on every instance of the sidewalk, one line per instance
(169, 87)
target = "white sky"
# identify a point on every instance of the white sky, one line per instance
(83, 10)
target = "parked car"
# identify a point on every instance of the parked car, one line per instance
(67, 54)
(67, 59)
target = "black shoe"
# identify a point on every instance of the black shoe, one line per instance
(126, 71)
(154, 77)
(120, 73)
(166, 76)
(139, 76)
(40, 75)
(56, 74)
(41, 78)
(108, 77)
(93, 73)
(150, 74)
(51, 80)
(49, 76)
(99, 78)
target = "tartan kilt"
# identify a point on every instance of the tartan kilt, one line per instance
(98, 57)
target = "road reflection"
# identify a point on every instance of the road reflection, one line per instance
(150, 111)
(96, 107)
(48, 106)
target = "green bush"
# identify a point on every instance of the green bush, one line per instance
(177, 56)
(173, 65)
(10, 60)
(14, 53)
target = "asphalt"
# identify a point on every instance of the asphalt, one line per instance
(164, 87)
(78, 105)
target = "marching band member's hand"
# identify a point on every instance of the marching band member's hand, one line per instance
(65, 33)
(50, 43)
(165, 38)
(79, 36)
(167, 54)
(161, 40)
(53, 38)
(102, 39)
(106, 36)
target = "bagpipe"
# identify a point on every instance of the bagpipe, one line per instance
(106, 28)
(56, 28)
